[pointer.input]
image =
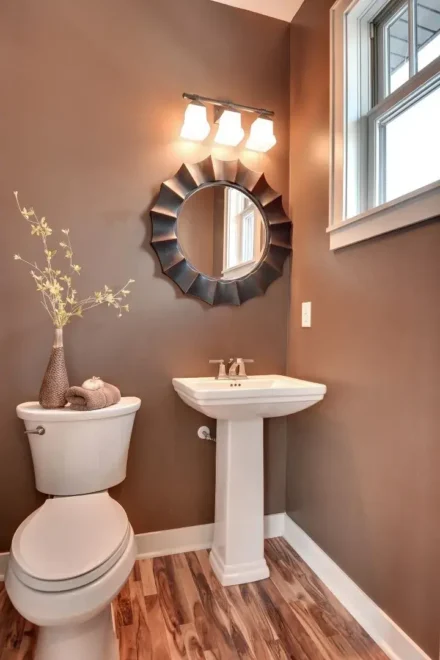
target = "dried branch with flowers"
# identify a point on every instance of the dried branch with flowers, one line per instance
(59, 296)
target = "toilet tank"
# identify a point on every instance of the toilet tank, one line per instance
(79, 452)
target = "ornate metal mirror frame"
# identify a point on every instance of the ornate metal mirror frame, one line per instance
(164, 214)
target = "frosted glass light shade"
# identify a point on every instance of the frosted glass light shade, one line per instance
(195, 126)
(229, 131)
(261, 137)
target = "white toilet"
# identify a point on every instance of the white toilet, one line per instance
(72, 556)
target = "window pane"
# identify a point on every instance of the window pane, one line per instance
(398, 49)
(428, 31)
(247, 248)
(233, 209)
(412, 142)
(232, 242)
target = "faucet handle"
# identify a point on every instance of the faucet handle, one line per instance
(221, 368)
(241, 368)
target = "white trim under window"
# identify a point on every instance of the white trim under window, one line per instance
(359, 117)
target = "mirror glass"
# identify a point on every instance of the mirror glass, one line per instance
(221, 232)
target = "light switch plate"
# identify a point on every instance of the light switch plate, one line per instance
(306, 315)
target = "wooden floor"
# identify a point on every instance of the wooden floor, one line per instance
(174, 607)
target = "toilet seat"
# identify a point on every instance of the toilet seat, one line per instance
(70, 542)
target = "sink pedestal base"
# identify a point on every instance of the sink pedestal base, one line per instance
(237, 555)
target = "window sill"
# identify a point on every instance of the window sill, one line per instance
(242, 264)
(418, 206)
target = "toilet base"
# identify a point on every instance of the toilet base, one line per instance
(93, 639)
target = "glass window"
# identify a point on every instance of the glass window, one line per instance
(385, 102)
(412, 147)
(397, 68)
(402, 51)
(243, 229)
(234, 207)
(248, 233)
(428, 32)
(404, 130)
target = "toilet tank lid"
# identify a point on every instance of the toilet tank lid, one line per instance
(32, 411)
(69, 536)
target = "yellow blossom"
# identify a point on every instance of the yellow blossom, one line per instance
(60, 302)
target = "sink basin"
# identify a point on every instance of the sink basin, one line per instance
(257, 396)
(239, 406)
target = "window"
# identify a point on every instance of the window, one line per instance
(242, 232)
(385, 116)
(418, 164)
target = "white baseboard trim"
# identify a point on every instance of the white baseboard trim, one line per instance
(392, 640)
(174, 541)
(4, 558)
(274, 525)
(387, 634)
(199, 537)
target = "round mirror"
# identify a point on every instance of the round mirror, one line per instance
(221, 232)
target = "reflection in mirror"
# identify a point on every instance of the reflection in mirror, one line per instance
(221, 232)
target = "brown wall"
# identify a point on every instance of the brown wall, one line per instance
(363, 466)
(91, 113)
(195, 230)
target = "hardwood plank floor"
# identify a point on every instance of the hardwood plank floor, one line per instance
(174, 607)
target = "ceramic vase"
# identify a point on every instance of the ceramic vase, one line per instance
(55, 381)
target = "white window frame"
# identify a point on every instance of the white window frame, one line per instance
(352, 216)
(242, 266)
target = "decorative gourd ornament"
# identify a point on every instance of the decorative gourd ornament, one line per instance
(94, 383)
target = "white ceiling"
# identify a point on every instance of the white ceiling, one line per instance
(282, 9)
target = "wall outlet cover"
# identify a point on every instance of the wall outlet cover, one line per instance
(306, 315)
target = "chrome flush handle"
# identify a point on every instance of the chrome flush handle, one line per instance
(40, 430)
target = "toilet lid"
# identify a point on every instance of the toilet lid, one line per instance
(70, 537)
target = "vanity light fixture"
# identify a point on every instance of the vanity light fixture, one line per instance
(230, 132)
(261, 137)
(228, 117)
(195, 126)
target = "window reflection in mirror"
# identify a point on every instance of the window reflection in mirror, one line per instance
(221, 232)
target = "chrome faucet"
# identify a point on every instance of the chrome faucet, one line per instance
(237, 369)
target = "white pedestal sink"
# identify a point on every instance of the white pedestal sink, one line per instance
(240, 406)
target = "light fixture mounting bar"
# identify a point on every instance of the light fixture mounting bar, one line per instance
(263, 112)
